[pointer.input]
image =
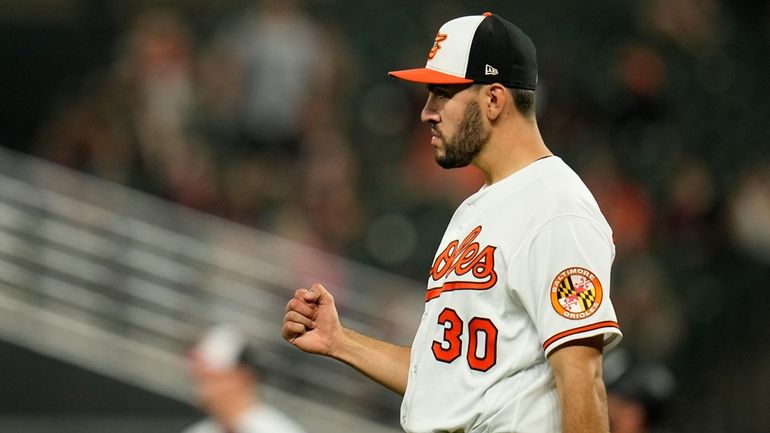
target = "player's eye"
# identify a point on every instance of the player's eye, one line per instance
(441, 92)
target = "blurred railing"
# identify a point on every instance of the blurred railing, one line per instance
(121, 283)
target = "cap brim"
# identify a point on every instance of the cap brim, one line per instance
(428, 76)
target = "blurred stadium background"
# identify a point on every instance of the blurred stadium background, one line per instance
(166, 165)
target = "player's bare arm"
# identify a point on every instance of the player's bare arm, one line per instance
(577, 367)
(312, 324)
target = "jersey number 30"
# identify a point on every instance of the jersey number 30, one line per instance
(450, 348)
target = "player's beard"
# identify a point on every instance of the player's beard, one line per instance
(467, 141)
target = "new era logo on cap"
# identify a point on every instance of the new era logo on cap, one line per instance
(466, 48)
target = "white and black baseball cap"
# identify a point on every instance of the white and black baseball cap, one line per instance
(481, 49)
(224, 346)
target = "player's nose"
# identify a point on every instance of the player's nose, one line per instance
(429, 113)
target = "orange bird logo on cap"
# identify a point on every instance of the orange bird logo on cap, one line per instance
(440, 37)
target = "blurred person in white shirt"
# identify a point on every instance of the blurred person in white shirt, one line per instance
(226, 380)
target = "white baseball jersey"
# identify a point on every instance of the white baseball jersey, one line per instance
(523, 267)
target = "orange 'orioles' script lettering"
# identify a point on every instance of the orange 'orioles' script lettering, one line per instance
(436, 45)
(460, 259)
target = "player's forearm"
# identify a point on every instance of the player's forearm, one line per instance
(385, 363)
(584, 407)
(577, 368)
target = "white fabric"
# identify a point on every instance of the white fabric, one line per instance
(262, 419)
(536, 223)
(452, 56)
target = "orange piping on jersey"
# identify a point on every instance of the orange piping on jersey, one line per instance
(460, 285)
(559, 336)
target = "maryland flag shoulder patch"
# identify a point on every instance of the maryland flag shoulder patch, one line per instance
(576, 293)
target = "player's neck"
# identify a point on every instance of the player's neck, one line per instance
(509, 150)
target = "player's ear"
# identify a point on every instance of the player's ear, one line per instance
(497, 97)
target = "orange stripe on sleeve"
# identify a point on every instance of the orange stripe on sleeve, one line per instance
(559, 336)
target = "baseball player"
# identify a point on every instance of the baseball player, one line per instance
(226, 378)
(517, 307)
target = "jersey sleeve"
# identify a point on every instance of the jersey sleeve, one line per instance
(562, 278)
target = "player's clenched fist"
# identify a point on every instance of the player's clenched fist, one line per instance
(311, 322)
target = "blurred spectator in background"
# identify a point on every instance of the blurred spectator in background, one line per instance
(638, 393)
(226, 380)
(642, 119)
(695, 25)
(269, 78)
(691, 214)
(623, 201)
(653, 321)
(223, 128)
(286, 64)
(134, 125)
(641, 73)
(749, 212)
(329, 190)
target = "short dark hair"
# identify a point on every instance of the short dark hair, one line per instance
(523, 99)
(525, 102)
(248, 358)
